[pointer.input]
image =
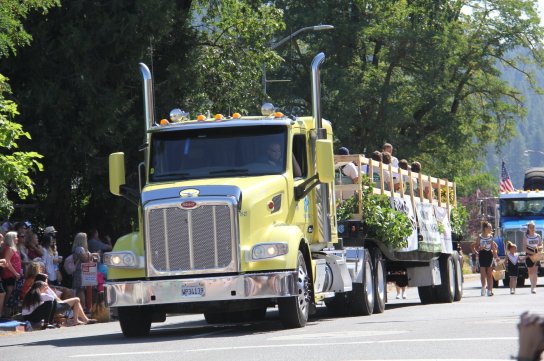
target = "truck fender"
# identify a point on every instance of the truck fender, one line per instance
(293, 236)
(129, 242)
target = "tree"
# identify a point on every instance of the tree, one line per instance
(420, 74)
(80, 89)
(15, 166)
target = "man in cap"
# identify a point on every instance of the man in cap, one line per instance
(349, 169)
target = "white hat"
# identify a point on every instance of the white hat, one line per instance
(49, 229)
(531, 223)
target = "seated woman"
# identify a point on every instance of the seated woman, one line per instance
(74, 304)
(39, 305)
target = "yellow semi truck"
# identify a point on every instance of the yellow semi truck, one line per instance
(237, 214)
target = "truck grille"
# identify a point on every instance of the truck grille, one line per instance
(185, 241)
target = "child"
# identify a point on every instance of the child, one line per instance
(512, 259)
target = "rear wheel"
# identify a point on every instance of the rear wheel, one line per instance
(134, 321)
(380, 286)
(362, 295)
(294, 310)
(458, 277)
(446, 291)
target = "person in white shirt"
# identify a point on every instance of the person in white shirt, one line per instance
(349, 169)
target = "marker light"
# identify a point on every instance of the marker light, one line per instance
(278, 114)
(218, 116)
(237, 115)
(269, 250)
(271, 205)
(201, 117)
(164, 122)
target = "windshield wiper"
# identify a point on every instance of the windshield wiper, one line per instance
(231, 170)
(170, 175)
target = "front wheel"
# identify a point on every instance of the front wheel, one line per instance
(134, 321)
(294, 310)
(458, 277)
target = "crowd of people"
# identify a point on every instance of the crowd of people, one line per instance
(385, 156)
(41, 286)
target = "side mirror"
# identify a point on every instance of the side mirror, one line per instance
(117, 172)
(325, 160)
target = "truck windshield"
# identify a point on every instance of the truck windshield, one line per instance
(217, 152)
(522, 207)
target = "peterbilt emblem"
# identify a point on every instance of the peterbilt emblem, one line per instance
(188, 205)
(189, 193)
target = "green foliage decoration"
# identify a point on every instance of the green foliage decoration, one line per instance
(381, 221)
(459, 220)
(346, 208)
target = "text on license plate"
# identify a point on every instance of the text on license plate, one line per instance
(192, 291)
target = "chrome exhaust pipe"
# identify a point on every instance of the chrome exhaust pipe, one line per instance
(148, 97)
(316, 94)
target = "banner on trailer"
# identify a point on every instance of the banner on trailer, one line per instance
(405, 205)
(428, 228)
(441, 215)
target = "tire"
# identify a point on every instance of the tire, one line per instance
(362, 294)
(534, 179)
(520, 282)
(380, 283)
(446, 291)
(458, 277)
(426, 294)
(134, 321)
(294, 310)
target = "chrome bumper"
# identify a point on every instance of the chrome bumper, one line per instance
(241, 287)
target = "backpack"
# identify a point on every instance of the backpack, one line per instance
(69, 264)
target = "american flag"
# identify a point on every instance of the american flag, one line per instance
(506, 184)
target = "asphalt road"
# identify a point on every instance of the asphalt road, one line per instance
(482, 328)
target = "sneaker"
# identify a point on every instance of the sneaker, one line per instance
(404, 296)
(489, 293)
(398, 296)
(483, 292)
(533, 290)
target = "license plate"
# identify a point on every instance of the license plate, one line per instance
(192, 291)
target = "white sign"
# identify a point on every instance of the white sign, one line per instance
(405, 206)
(428, 228)
(442, 218)
(89, 272)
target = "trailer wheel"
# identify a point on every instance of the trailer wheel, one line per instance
(134, 321)
(294, 310)
(380, 284)
(458, 277)
(446, 291)
(426, 294)
(362, 295)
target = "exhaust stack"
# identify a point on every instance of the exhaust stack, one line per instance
(148, 97)
(323, 208)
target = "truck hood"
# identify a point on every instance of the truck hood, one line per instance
(250, 187)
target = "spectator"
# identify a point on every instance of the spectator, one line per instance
(51, 264)
(21, 247)
(39, 305)
(531, 337)
(63, 305)
(81, 254)
(96, 245)
(33, 248)
(11, 273)
(3, 263)
(387, 147)
(348, 170)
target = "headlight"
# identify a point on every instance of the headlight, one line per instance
(127, 259)
(269, 250)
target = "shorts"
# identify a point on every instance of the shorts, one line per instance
(529, 262)
(8, 282)
(485, 258)
(513, 269)
(2, 290)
